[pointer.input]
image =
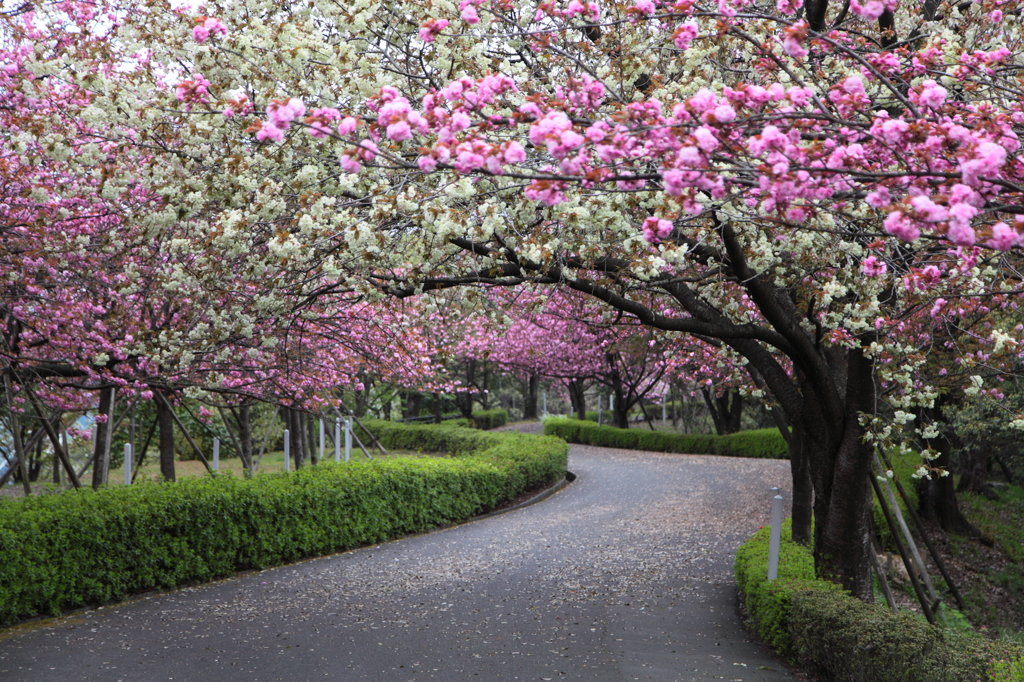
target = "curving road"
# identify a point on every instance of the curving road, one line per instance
(624, 575)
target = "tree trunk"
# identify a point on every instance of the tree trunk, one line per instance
(165, 424)
(244, 420)
(840, 464)
(295, 439)
(464, 399)
(937, 496)
(578, 398)
(799, 467)
(313, 438)
(56, 457)
(974, 472)
(803, 490)
(437, 408)
(19, 445)
(530, 397)
(464, 404)
(620, 411)
(735, 412)
(726, 410)
(412, 401)
(101, 447)
(363, 395)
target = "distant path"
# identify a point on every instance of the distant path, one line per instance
(625, 575)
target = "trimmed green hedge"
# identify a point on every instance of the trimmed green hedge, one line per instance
(490, 419)
(761, 443)
(818, 626)
(482, 419)
(77, 548)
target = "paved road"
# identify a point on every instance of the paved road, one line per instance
(624, 575)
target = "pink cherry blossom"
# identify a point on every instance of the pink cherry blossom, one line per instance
(431, 28)
(208, 27)
(872, 267)
(684, 35)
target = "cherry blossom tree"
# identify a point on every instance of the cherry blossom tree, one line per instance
(795, 184)
(562, 336)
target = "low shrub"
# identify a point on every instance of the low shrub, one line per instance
(818, 626)
(482, 419)
(1008, 671)
(86, 547)
(761, 443)
(490, 419)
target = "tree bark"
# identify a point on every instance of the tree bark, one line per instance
(244, 421)
(842, 501)
(803, 489)
(295, 439)
(578, 398)
(726, 410)
(312, 433)
(56, 457)
(412, 403)
(485, 394)
(437, 408)
(937, 495)
(974, 472)
(363, 395)
(464, 399)
(165, 425)
(620, 411)
(101, 467)
(530, 397)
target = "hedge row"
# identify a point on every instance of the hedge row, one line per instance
(821, 628)
(482, 419)
(490, 419)
(77, 548)
(761, 443)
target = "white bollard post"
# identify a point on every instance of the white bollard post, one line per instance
(128, 463)
(322, 437)
(216, 453)
(348, 438)
(776, 538)
(287, 451)
(600, 410)
(664, 415)
(337, 440)
(611, 402)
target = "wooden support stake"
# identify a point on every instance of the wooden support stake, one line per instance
(54, 440)
(883, 579)
(921, 597)
(247, 463)
(15, 463)
(145, 448)
(927, 541)
(911, 545)
(373, 437)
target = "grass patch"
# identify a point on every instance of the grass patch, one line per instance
(1001, 520)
